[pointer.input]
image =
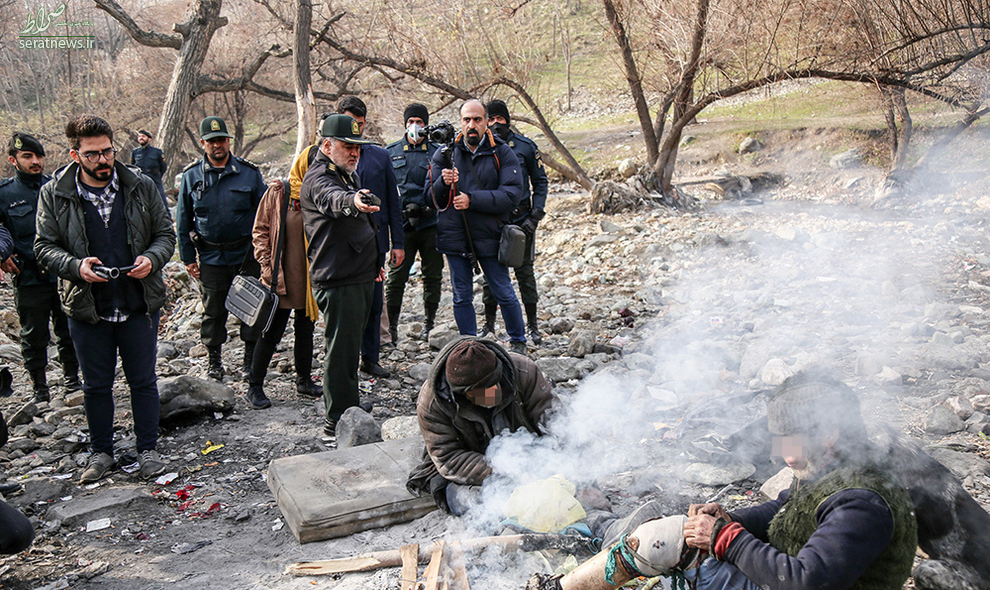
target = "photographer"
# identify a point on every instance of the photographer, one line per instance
(474, 195)
(411, 157)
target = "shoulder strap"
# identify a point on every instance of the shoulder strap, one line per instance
(281, 237)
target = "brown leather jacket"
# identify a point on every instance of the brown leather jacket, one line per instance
(264, 236)
(457, 432)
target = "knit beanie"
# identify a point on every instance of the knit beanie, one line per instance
(498, 107)
(416, 110)
(472, 365)
(809, 406)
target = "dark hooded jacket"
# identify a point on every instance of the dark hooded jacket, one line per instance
(457, 432)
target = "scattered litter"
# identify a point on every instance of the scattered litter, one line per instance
(716, 319)
(97, 525)
(210, 447)
(132, 468)
(213, 509)
(182, 494)
(183, 548)
(62, 476)
(65, 498)
(217, 415)
(166, 479)
(277, 526)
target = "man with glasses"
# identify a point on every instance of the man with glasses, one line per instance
(97, 219)
(218, 199)
(35, 289)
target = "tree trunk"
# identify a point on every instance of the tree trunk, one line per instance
(302, 77)
(634, 79)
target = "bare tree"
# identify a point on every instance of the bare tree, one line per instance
(302, 77)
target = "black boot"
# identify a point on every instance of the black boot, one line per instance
(215, 369)
(41, 392)
(70, 378)
(248, 358)
(306, 387)
(431, 318)
(393, 324)
(256, 396)
(532, 326)
(488, 330)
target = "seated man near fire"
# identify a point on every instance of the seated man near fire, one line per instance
(845, 522)
(475, 390)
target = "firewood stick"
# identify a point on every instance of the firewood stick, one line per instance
(392, 558)
(455, 558)
(410, 560)
(432, 573)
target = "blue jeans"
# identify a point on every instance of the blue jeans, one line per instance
(497, 277)
(97, 346)
(713, 574)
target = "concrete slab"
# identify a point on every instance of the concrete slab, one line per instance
(338, 493)
(112, 503)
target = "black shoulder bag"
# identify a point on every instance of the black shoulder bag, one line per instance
(248, 299)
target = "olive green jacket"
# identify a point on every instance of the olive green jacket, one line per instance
(61, 242)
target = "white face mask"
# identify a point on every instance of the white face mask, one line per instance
(413, 131)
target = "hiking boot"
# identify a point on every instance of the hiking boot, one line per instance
(41, 391)
(256, 396)
(431, 318)
(71, 382)
(305, 387)
(215, 370)
(98, 466)
(151, 464)
(374, 369)
(532, 325)
(517, 347)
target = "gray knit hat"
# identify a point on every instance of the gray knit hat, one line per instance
(808, 404)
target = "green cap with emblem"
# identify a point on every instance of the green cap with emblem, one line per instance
(23, 142)
(212, 127)
(344, 128)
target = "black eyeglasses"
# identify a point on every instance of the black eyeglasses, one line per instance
(94, 157)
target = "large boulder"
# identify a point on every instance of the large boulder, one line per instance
(357, 427)
(185, 398)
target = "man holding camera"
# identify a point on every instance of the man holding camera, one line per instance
(35, 289)
(218, 199)
(474, 194)
(343, 257)
(377, 177)
(98, 219)
(526, 215)
(411, 157)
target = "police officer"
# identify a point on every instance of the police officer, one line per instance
(527, 215)
(218, 199)
(35, 289)
(411, 162)
(151, 161)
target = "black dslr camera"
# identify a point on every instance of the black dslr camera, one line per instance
(413, 213)
(441, 133)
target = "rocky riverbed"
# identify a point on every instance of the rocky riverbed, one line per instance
(662, 328)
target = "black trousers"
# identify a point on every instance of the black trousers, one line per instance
(214, 283)
(423, 241)
(345, 313)
(371, 337)
(35, 305)
(302, 350)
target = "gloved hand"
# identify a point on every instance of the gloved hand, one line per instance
(528, 226)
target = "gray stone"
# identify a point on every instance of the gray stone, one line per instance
(942, 420)
(628, 168)
(167, 350)
(868, 364)
(600, 240)
(775, 372)
(10, 353)
(581, 343)
(198, 351)
(716, 475)
(610, 228)
(981, 403)
(561, 325)
(23, 415)
(560, 369)
(962, 465)
(941, 339)
(848, 159)
(750, 144)
(889, 375)
(112, 502)
(772, 487)
(187, 397)
(440, 338)
(357, 427)
(25, 445)
(638, 360)
(400, 427)
(41, 490)
(419, 372)
(960, 405)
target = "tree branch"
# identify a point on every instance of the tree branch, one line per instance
(147, 38)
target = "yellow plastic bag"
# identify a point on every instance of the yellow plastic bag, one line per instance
(545, 506)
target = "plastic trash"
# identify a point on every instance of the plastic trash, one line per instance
(545, 506)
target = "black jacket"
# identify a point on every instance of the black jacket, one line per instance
(343, 244)
(495, 187)
(18, 208)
